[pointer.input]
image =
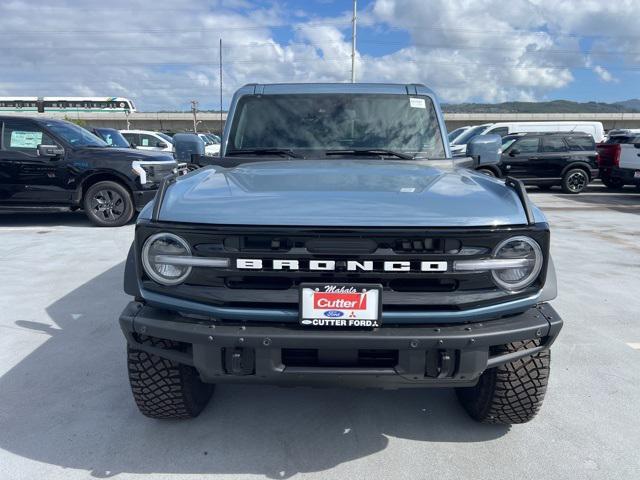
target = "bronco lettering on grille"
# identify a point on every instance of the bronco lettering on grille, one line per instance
(350, 265)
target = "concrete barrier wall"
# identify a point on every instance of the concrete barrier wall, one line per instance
(211, 121)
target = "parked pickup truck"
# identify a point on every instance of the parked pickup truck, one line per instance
(619, 159)
(54, 163)
(337, 242)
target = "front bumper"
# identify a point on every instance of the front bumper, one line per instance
(451, 355)
(627, 175)
(142, 197)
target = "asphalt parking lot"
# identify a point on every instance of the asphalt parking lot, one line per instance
(66, 410)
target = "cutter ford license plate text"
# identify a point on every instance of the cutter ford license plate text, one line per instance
(341, 305)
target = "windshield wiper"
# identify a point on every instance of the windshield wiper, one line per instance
(370, 151)
(285, 152)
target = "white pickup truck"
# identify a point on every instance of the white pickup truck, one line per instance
(619, 160)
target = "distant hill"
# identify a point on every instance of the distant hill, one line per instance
(555, 106)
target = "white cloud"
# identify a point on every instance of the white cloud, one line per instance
(164, 54)
(604, 74)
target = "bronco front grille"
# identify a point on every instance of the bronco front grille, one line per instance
(402, 290)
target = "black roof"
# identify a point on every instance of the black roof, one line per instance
(33, 119)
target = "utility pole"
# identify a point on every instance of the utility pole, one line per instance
(194, 110)
(353, 42)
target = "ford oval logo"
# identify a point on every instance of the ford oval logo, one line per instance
(333, 313)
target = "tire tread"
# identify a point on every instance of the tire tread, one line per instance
(510, 393)
(163, 388)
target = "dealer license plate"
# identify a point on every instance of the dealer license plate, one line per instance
(341, 305)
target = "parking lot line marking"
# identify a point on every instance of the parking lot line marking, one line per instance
(634, 345)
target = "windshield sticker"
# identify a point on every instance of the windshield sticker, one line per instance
(417, 102)
(25, 139)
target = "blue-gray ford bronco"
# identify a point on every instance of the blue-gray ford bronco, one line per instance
(336, 242)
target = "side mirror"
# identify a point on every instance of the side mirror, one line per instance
(161, 145)
(514, 152)
(485, 149)
(133, 145)
(50, 151)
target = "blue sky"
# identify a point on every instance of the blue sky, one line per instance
(164, 54)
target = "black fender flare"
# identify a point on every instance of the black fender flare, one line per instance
(103, 174)
(579, 164)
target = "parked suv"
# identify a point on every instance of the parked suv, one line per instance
(148, 140)
(337, 242)
(548, 159)
(56, 163)
(620, 159)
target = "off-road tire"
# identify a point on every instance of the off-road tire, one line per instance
(163, 388)
(575, 181)
(510, 393)
(111, 194)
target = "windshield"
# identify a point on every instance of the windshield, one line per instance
(456, 133)
(113, 137)
(75, 135)
(469, 134)
(323, 122)
(623, 139)
(507, 142)
(165, 137)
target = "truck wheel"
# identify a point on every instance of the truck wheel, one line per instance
(108, 204)
(511, 393)
(575, 180)
(163, 388)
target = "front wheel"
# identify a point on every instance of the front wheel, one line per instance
(108, 204)
(510, 393)
(163, 388)
(575, 181)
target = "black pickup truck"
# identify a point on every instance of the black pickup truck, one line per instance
(55, 163)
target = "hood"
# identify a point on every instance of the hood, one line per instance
(341, 193)
(128, 154)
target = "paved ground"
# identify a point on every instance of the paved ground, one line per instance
(66, 411)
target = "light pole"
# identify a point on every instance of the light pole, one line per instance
(353, 42)
(194, 110)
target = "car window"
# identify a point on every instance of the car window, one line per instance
(24, 137)
(466, 137)
(132, 138)
(527, 145)
(502, 131)
(581, 143)
(623, 139)
(147, 140)
(553, 144)
(166, 137)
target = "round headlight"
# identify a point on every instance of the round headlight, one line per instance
(160, 269)
(518, 248)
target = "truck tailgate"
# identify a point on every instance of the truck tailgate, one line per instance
(630, 156)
